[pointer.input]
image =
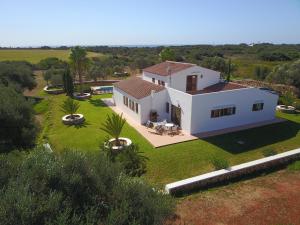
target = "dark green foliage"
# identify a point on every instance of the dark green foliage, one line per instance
(70, 106)
(18, 128)
(74, 188)
(55, 76)
(51, 62)
(79, 63)
(219, 162)
(131, 158)
(18, 74)
(261, 72)
(113, 126)
(286, 74)
(288, 98)
(274, 56)
(167, 54)
(68, 82)
(269, 152)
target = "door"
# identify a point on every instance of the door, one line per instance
(191, 83)
(176, 115)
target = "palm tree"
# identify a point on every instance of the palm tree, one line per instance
(113, 126)
(70, 107)
(79, 63)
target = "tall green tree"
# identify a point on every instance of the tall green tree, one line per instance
(113, 126)
(167, 54)
(79, 64)
(68, 82)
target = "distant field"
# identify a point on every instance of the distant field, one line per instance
(34, 56)
(246, 65)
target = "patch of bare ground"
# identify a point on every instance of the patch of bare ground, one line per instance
(41, 83)
(273, 199)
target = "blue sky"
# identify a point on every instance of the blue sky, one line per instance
(139, 22)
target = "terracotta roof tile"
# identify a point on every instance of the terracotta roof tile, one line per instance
(137, 87)
(168, 68)
(219, 87)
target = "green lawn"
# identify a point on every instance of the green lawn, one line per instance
(35, 55)
(173, 162)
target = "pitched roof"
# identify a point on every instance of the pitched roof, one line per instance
(138, 88)
(168, 67)
(219, 87)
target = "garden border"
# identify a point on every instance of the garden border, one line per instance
(225, 175)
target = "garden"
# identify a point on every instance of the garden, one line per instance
(174, 162)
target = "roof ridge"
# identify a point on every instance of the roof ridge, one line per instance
(169, 61)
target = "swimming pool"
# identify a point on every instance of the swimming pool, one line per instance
(102, 89)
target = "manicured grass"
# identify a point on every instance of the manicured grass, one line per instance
(35, 55)
(179, 161)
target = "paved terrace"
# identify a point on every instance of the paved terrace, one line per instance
(163, 140)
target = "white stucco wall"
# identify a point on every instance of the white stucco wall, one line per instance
(178, 80)
(184, 100)
(148, 77)
(242, 99)
(118, 99)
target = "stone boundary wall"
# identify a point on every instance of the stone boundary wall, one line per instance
(234, 172)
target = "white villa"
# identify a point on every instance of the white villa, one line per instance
(193, 97)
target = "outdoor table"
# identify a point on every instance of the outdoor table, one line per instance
(169, 125)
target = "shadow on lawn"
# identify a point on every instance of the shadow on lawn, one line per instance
(97, 102)
(82, 125)
(247, 140)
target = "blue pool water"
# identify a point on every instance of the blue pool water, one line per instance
(106, 89)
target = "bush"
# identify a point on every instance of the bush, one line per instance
(18, 74)
(75, 188)
(269, 152)
(18, 128)
(219, 162)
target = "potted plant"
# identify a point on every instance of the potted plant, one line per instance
(79, 63)
(113, 126)
(288, 99)
(70, 107)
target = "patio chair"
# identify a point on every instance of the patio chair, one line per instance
(149, 124)
(174, 130)
(159, 129)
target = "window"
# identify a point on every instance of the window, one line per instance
(125, 100)
(136, 108)
(159, 82)
(163, 83)
(153, 80)
(258, 106)
(167, 107)
(222, 112)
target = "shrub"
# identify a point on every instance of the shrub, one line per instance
(269, 152)
(219, 162)
(75, 188)
(18, 128)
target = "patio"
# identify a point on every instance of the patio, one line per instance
(163, 140)
(155, 139)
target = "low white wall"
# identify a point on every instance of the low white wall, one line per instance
(242, 99)
(218, 176)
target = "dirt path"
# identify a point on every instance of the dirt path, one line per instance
(269, 200)
(41, 83)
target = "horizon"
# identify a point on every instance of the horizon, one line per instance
(134, 23)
